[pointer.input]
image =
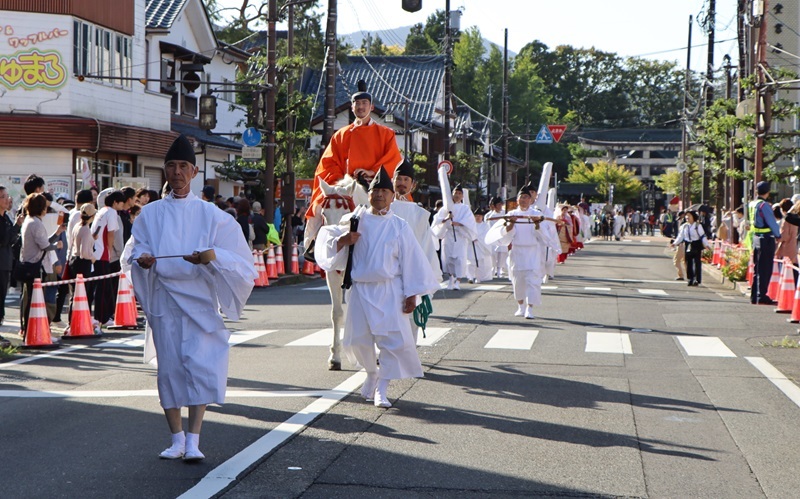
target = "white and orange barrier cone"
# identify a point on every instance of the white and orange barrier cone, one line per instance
(309, 267)
(750, 268)
(272, 270)
(125, 312)
(258, 261)
(786, 289)
(716, 259)
(279, 265)
(774, 281)
(80, 325)
(295, 268)
(795, 318)
(37, 333)
(319, 269)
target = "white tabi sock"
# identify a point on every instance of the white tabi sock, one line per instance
(178, 447)
(193, 447)
(381, 400)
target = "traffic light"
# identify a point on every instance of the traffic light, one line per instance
(412, 5)
(257, 112)
(208, 112)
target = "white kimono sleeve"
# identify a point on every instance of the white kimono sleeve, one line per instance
(329, 258)
(415, 270)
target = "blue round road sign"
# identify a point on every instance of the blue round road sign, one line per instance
(251, 137)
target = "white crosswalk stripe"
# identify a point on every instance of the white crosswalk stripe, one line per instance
(704, 346)
(321, 338)
(432, 335)
(654, 292)
(513, 339)
(589, 288)
(608, 343)
(490, 287)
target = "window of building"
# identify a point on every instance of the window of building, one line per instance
(100, 52)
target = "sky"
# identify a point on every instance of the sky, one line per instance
(654, 29)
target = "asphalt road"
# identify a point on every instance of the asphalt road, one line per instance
(627, 384)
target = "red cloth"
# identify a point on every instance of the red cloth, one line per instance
(352, 148)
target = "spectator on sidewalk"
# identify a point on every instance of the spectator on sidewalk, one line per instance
(104, 229)
(9, 234)
(787, 247)
(35, 244)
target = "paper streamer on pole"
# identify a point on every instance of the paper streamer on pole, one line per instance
(447, 192)
(544, 184)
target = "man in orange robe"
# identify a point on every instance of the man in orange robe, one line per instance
(359, 149)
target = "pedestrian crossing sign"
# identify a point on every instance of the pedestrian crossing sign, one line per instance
(544, 136)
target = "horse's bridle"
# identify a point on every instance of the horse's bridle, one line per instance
(339, 202)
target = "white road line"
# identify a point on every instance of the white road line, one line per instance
(596, 289)
(701, 346)
(608, 343)
(222, 476)
(322, 338)
(432, 335)
(52, 353)
(238, 337)
(549, 287)
(777, 378)
(645, 241)
(490, 287)
(655, 292)
(318, 288)
(513, 339)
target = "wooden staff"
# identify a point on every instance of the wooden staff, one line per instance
(348, 279)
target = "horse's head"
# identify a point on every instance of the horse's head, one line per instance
(341, 199)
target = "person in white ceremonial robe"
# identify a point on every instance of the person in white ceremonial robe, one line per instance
(389, 270)
(457, 230)
(551, 231)
(499, 252)
(479, 257)
(417, 218)
(527, 255)
(181, 297)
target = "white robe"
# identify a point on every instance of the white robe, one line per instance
(455, 244)
(417, 218)
(499, 252)
(182, 300)
(526, 260)
(388, 266)
(482, 269)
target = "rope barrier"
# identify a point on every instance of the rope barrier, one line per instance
(85, 279)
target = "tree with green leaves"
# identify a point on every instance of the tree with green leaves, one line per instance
(603, 174)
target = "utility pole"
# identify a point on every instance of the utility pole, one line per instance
(761, 101)
(288, 190)
(269, 119)
(685, 195)
(504, 168)
(448, 79)
(709, 88)
(330, 76)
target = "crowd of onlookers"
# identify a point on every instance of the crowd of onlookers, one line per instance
(58, 238)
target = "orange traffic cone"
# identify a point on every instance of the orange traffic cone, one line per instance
(786, 291)
(258, 260)
(308, 267)
(37, 333)
(80, 325)
(319, 269)
(795, 318)
(716, 258)
(295, 268)
(125, 312)
(774, 281)
(272, 270)
(281, 268)
(750, 268)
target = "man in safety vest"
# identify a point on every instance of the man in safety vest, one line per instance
(764, 231)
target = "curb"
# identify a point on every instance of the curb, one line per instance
(740, 286)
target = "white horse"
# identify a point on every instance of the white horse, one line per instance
(339, 200)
